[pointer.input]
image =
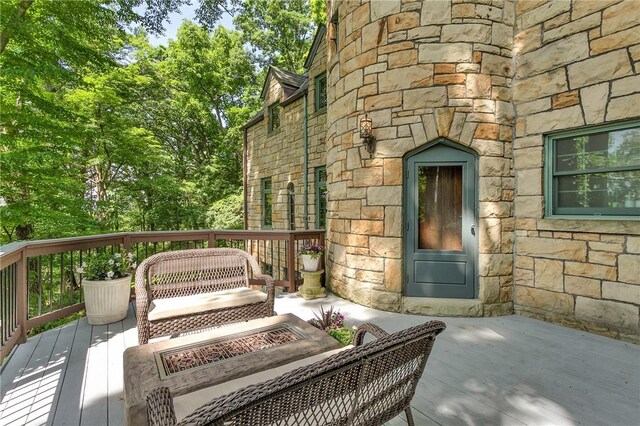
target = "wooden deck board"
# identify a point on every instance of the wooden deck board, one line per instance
(25, 394)
(95, 407)
(69, 405)
(506, 370)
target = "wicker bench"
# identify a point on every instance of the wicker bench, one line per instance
(180, 291)
(368, 384)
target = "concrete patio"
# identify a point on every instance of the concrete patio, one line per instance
(497, 371)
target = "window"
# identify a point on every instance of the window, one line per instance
(321, 197)
(594, 172)
(274, 116)
(321, 92)
(291, 204)
(266, 203)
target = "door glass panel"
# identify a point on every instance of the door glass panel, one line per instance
(440, 207)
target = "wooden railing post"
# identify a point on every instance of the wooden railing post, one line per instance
(291, 262)
(211, 240)
(126, 243)
(21, 296)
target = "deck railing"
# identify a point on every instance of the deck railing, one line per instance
(39, 282)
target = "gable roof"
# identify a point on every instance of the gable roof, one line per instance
(317, 39)
(287, 79)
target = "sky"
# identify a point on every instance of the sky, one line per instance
(171, 28)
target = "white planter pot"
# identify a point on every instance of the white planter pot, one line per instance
(106, 301)
(309, 263)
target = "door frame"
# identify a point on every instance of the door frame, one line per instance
(405, 217)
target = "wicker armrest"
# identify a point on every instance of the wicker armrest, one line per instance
(160, 408)
(271, 290)
(358, 339)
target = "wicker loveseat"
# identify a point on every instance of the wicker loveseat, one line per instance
(368, 384)
(185, 290)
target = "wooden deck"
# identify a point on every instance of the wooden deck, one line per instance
(495, 371)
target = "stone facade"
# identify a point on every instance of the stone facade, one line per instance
(279, 154)
(577, 64)
(421, 71)
(495, 77)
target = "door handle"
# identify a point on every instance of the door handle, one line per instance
(473, 230)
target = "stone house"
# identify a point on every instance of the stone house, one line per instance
(505, 172)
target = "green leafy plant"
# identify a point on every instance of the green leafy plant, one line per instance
(332, 322)
(312, 249)
(343, 335)
(107, 266)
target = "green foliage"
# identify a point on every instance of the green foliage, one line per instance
(332, 322)
(343, 335)
(226, 213)
(57, 323)
(107, 266)
(278, 31)
(318, 12)
(102, 132)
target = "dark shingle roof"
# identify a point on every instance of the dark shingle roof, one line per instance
(297, 94)
(287, 79)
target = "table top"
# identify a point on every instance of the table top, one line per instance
(188, 363)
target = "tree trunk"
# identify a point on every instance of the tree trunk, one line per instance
(13, 23)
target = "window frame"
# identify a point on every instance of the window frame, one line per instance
(551, 175)
(319, 78)
(264, 193)
(272, 107)
(317, 172)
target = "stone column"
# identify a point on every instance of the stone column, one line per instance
(421, 70)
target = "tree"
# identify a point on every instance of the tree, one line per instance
(279, 31)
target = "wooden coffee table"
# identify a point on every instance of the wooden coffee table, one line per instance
(189, 363)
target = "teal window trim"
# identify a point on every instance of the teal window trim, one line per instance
(551, 175)
(321, 197)
(321, 92)
(274, 119)
(266, 202)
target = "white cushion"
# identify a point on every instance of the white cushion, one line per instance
(188, 403)
(194, 303)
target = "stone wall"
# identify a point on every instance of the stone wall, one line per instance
(577, 64)
(421, 70)
(280, 154)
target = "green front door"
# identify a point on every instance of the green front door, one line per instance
(440, 223)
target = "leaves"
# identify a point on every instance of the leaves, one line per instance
(103, 132)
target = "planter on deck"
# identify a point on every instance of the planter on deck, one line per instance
(106, 301)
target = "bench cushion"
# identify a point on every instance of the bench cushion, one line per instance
(188, 403)
(186, 305)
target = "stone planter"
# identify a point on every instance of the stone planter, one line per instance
(312, 288)
(106, 301)
(309, 263)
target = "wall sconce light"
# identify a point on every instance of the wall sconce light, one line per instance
(366, 134)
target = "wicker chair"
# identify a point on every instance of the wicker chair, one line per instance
(186, 290)
(368, 384)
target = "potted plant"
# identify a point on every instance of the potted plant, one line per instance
(106, 284)
(310, 254)
(332, 322)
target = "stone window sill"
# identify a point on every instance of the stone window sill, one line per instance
(597, 226)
